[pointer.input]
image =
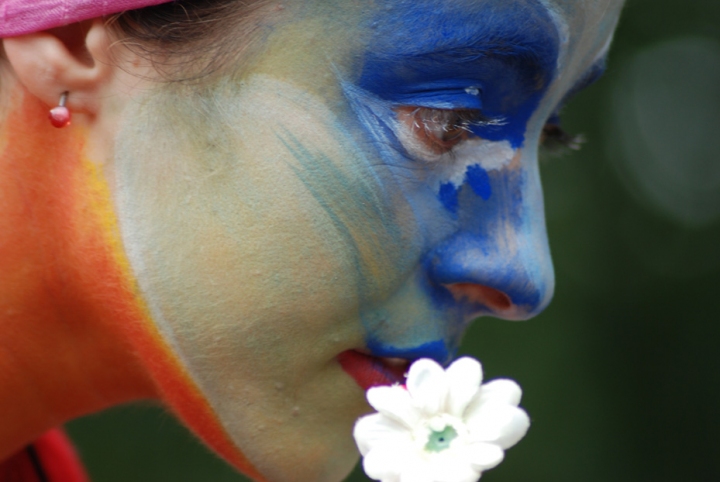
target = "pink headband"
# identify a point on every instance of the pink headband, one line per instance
(18, 17)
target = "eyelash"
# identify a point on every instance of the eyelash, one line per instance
(440, 130)
(555, 140)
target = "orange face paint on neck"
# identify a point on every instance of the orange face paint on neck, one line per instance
(76, 337)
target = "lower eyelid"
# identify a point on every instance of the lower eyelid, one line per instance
(440, 130)
(416, 132)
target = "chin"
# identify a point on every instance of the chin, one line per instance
(299, 431)
(320, 460)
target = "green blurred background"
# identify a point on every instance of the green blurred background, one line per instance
(622, 373)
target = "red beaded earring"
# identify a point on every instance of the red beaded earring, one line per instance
(60, 115)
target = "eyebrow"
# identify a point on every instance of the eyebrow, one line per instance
(480, 50)
(454, 24)
(446, 38)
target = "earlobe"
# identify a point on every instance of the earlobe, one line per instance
(66, 59)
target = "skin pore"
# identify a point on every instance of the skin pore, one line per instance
(359, 185)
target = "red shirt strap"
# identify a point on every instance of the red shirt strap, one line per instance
(51, 458)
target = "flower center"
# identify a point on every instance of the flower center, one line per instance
(440, 440)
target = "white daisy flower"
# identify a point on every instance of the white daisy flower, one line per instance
(445, 427)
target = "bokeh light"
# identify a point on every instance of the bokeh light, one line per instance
(664, 128)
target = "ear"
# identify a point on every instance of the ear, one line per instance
(70, 59)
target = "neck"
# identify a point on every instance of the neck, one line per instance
(65, 300)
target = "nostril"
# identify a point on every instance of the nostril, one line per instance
(494, 299)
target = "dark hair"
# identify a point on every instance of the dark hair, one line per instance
(192, 38)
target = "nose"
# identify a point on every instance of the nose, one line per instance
(498, 263)
(510, 282)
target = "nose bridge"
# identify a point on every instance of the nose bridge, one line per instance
(499, 262)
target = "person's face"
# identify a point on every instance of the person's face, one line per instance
(365, 184)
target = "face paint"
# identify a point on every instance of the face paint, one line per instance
(494, 57)
(494, 70)
(296, 230)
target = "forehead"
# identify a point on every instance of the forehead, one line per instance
(419, 25)
(429, 24)
(422, 39)
(308, 35)
(434, 20)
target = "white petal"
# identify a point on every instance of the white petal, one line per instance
(464, 377)
(416, 472)
(484, 456)
(459, 471)
(515, 430)
(464, 474)
(501, 391)
(385, 463)
(395, 402)
(376, 429)
(427, 385)
(503, 425)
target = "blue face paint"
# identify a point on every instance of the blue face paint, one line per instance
(436, 350)
(448, 196)
(479, 181)
(497, 57)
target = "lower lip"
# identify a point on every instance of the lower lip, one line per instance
(369, 371)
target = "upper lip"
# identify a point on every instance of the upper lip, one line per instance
(438, 350)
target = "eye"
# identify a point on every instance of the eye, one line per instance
(439, 130)
(556, 140)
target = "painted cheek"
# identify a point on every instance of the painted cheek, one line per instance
(256, 241)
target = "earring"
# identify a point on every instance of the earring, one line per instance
(60, 115)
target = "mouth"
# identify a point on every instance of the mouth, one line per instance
(373, 371)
